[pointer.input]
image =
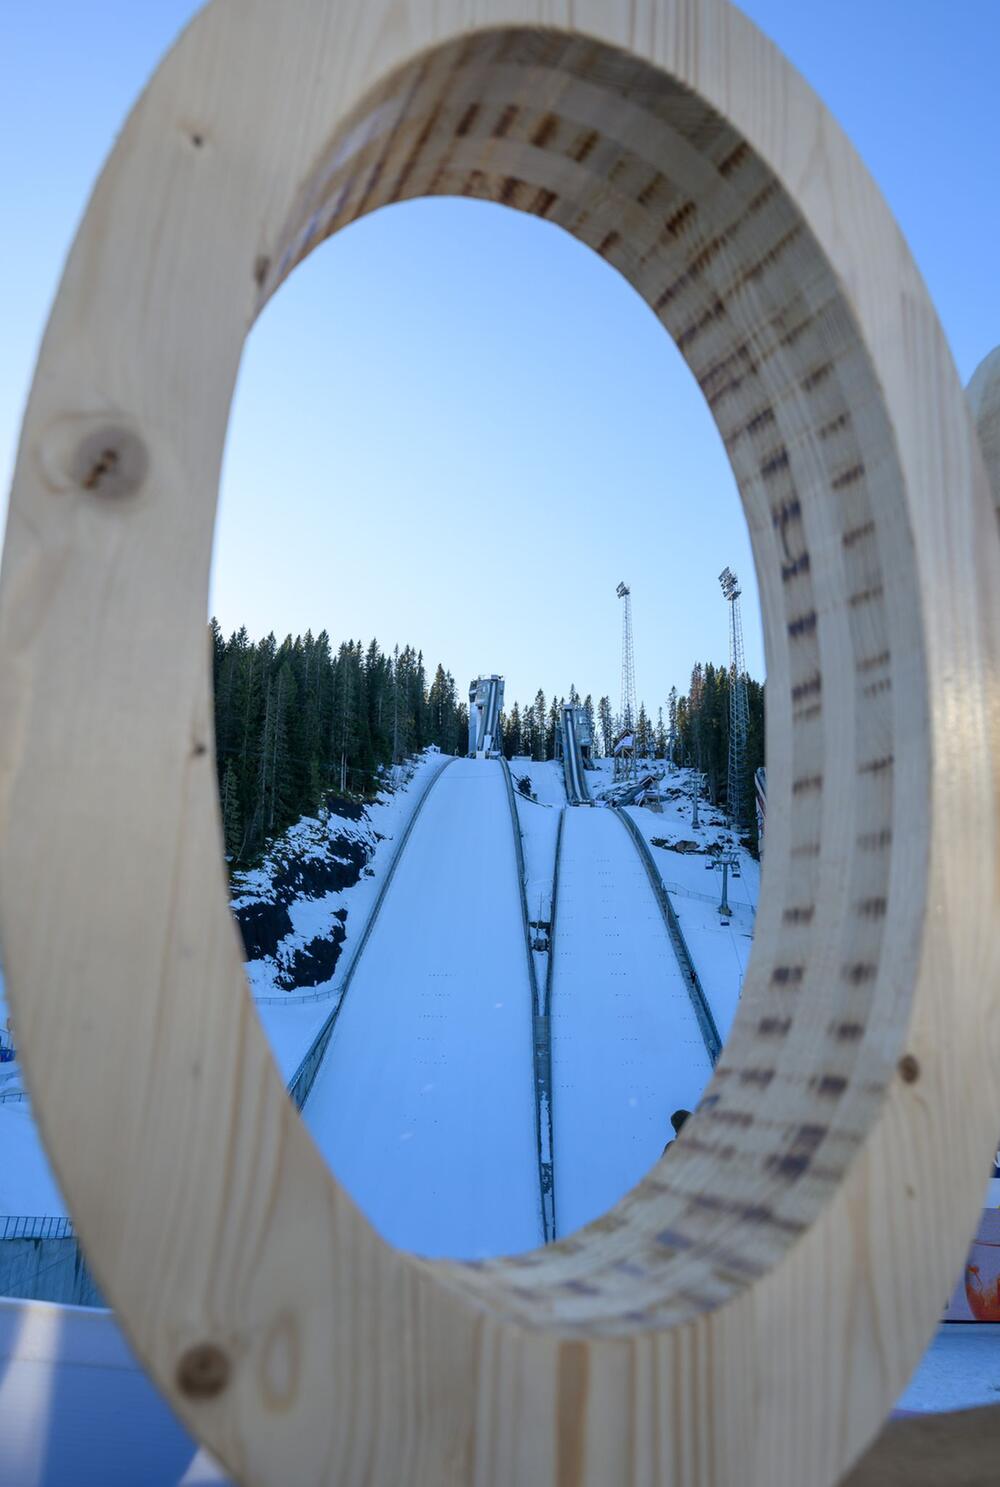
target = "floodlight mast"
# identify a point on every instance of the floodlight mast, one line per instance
(730, 584)
(739, 707)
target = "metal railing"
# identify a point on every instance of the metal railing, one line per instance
(696, 992)
(553, 913)
(541, 1031)
(304, 1078)
(26, 1227)
(681, 891)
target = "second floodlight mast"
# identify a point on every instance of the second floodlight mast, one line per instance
(625, 742)
(739, 709)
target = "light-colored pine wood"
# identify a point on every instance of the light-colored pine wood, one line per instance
(748, 1314)
(983, 394)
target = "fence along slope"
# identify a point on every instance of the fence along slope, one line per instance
(304, 1077)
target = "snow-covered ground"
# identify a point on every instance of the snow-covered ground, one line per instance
(28, 1187)
(961, 1369)
(545, 776)
(318, 883)
(424, 1104)
(27, 1184)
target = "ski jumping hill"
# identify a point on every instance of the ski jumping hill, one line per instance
(489, 1048)
(627, 1049)
(424, 1105)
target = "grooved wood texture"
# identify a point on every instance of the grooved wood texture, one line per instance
(983, 395)
(750, 1312)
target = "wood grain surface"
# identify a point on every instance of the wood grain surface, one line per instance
(750, 1312)
(983, 395)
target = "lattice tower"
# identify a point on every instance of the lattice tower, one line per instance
(630, 711)
(739, 708)
(625, 764)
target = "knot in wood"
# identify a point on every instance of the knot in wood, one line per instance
(203, 1371)
(909, 1068)
(110, 461)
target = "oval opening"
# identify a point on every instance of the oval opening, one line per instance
(472, 456)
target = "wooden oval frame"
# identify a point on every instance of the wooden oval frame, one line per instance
(751, 1311)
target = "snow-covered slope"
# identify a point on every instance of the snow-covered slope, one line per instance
(424, 1105)
(443, 983)
(626, 1046)
(719, 947)
(538, 813)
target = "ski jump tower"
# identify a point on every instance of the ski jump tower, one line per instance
(573, 746)
(739, 710)
(625, 742)
(485, 707)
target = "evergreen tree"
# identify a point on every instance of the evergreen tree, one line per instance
(512, 733)
(588, 710)
(442, 712)
(643, 735)
(683, 741)
(702, 728)
(528, 732)
(660, 737)
(606, 721)
(552, 728)
(295, 721)
(232, 833)
(539, 722)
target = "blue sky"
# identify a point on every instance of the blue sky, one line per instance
(457, 427)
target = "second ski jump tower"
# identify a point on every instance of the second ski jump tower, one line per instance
(485, 707)
(573, 747)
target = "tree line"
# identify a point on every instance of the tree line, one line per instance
(699, 723)
(694, 730)
(298, 720)
(530, 731)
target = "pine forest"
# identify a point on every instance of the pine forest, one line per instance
(299, 720)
